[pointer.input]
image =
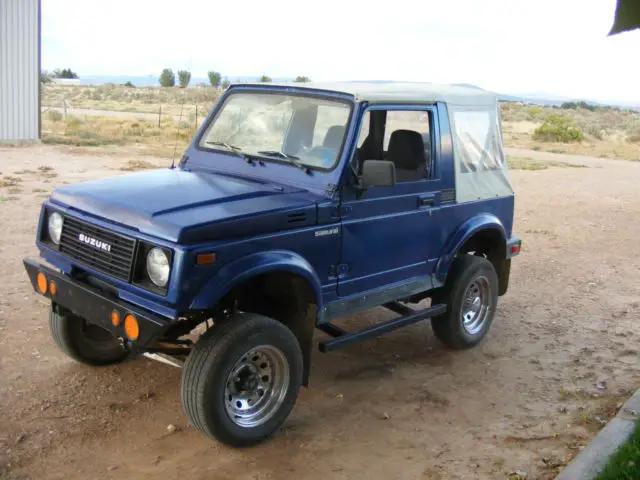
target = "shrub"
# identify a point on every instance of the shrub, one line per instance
(265, 79)
(635, 138)
(184, 77)
(167, 78)
(64, 73)
(54, 115)
(302, 79)
(129, 85)
(534, 112)
(214, 78)
(226, 83)
(581, 104)
(558, 129)
(46, 77)
(595, 131)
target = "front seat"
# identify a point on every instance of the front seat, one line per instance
(406, 151)
(333, 137)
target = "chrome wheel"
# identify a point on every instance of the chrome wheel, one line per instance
(256, 386)
(476, 305)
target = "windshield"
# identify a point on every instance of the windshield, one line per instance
(306, 132)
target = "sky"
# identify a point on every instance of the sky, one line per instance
(507, 46)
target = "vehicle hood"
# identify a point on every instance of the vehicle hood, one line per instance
(188, 207)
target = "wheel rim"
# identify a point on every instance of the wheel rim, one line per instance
(475, 307)
(256, 386)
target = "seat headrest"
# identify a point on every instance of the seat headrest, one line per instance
(406, 149)
(333, 137)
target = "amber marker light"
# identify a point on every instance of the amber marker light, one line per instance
(206, 258)
(53, 289)
(115, 319)
(42, 283)
(131, 328)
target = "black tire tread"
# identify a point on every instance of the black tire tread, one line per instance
(66, 338)
(207, 352)
(445, 326)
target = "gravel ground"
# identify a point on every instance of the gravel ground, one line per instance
(560, 358)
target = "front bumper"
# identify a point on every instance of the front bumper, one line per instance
(96, 306)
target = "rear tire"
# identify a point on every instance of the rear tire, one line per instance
(85, 342)
(471, 296)
(241, 380)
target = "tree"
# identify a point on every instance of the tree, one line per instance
(265, 79)
(64, 73)
(184, 77)
(46, 77)
(214, 78)
(167, 78)
(627, 16)
(226, 83)
(302, 79)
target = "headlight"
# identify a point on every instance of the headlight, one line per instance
(55, 227)
(158, 267)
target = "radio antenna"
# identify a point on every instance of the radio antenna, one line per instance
(184, 99)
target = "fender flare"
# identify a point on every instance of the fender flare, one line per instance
(469, 228)
(252, 265)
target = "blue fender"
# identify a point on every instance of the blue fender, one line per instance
(470, 227)
(250, 266)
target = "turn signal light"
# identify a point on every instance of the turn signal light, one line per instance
(52, 288)
(206, 258)
(42, 283)
(131, 328)
(115, 319)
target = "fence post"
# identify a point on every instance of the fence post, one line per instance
(159, 115)
(196, 116)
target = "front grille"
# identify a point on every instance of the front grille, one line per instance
(117, 262)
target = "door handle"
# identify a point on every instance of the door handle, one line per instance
(426, 202)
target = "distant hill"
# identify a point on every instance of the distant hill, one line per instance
(539, 98)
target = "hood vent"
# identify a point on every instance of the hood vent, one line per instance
(298, 217)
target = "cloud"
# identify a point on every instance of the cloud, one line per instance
(505, 45)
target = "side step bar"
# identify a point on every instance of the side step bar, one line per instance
(409, 316)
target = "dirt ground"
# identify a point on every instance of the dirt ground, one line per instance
(560, 358)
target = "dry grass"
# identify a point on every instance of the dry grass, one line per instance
(124, 99)
(137, 164)
(147, 137)
(9, 181)
(609, 132)
(525, 163)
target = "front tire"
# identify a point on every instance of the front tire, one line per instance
(85, 342)
(242, 379)
(471, 296)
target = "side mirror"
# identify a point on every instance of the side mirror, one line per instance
(378, 173)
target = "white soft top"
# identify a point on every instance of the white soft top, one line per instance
(480, 166)
(405, 92)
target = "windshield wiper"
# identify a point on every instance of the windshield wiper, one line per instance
(226, 145)
(287, 156)
(232, 149)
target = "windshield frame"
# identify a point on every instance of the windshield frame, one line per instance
(290, 92)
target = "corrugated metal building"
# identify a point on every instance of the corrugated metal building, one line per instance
(19, 70)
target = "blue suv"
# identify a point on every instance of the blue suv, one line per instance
(293, 206)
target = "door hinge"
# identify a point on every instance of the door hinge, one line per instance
(343, 269)
(347, 209)
(330, 189)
